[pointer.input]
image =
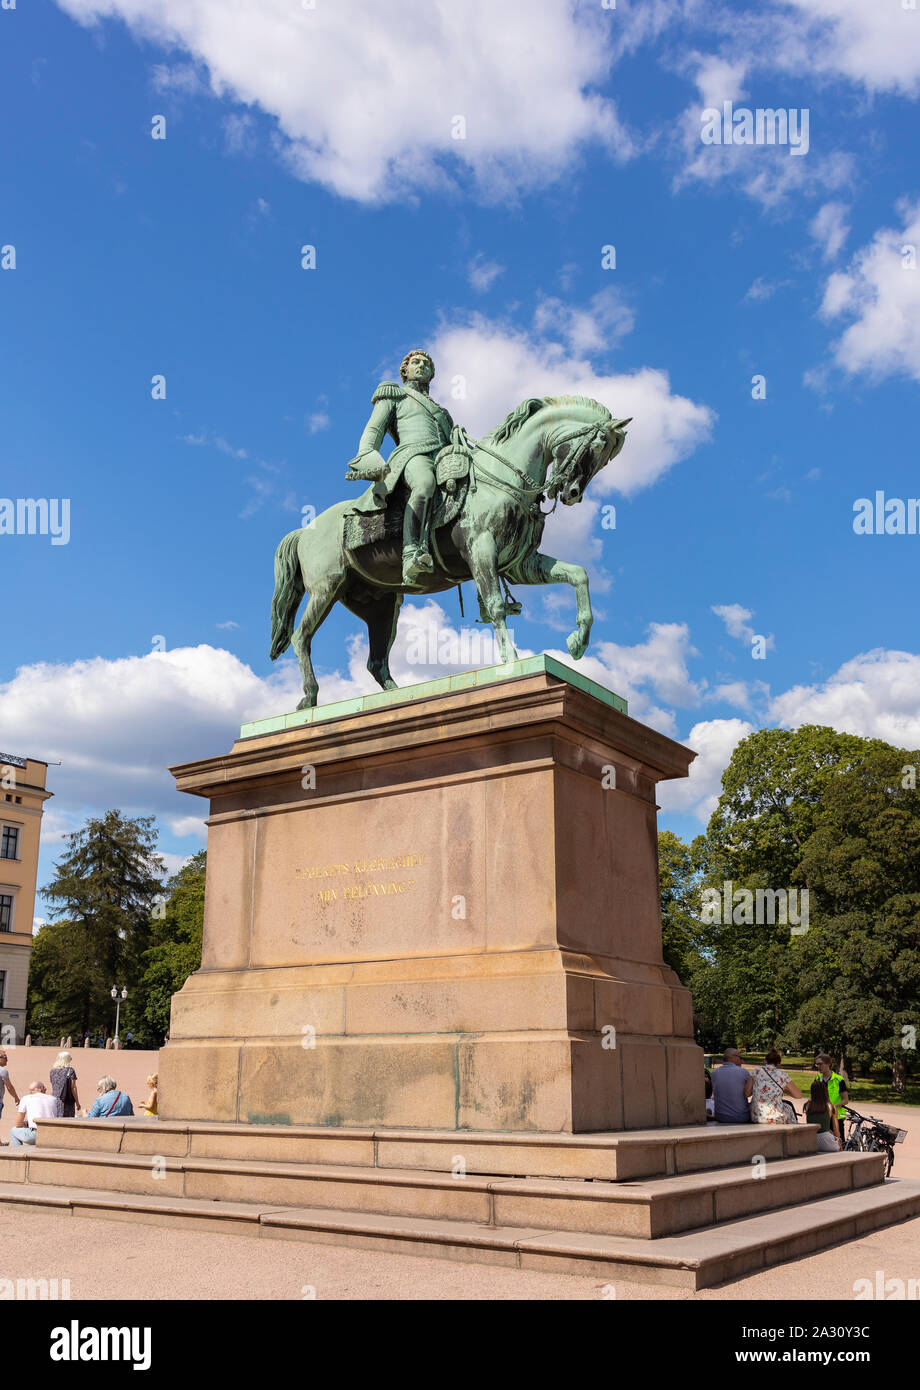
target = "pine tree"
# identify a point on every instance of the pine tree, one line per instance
(102, 896)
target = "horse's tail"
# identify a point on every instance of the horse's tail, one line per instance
(289, 590)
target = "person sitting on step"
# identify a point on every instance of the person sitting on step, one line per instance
(35, 1106)
(109, 1102)
(770, 1085)
(731, 1090)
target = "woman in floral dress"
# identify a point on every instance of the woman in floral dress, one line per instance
(770, 1086)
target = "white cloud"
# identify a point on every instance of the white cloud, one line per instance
(830, 228)
(188, 825)
(764, 289)
(365, 96)
(367, 103)
(736, 620)
(873, 695)
(226, 448)
(181, 78)
(713, 741)
(501, 365)
(595, 328)
(881, 294)
(732, 693)
(769, 174)
(482, 273)
(319, 421)
(646, 673)
(874, 43)
(173, 862)
(717, 78)
(117, 725)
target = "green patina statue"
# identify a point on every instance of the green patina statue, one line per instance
(440, 510)
(420, 428)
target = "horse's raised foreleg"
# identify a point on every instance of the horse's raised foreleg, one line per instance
(482, 558)
(544, 569)
(317, 610)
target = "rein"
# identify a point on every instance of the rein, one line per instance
(522, 492)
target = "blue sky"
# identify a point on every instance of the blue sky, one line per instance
(331, 126)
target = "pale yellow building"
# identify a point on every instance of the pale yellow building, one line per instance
(22, 799)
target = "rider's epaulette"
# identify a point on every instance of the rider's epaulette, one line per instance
(388, 391)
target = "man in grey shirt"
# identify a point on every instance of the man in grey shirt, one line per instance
(731, 1090)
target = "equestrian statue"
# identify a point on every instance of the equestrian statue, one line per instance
(439, 510)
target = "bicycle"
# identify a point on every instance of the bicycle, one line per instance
(871, 1135)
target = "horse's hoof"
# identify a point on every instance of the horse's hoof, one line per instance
(577, 645)
(307, 703)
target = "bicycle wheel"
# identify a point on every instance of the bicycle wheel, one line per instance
(878, 1146)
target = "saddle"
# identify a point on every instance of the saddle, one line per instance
(452, 477)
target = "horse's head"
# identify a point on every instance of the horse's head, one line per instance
(580, 454)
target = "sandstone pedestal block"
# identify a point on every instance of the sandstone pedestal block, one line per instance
(437, 908)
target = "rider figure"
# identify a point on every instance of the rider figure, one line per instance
(420, 428)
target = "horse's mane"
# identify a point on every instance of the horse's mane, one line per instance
(513, 422)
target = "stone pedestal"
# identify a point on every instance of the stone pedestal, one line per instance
(437, 908)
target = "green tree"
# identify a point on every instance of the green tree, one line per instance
(772, 793)
(101, 899)
(63, 996)
(859, 964)
(175, 949)
(830, 812)
(679, 872)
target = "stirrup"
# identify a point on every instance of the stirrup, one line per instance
(411, 569)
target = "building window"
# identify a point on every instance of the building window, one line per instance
(6, 912)
(2, 988)
(9, 842)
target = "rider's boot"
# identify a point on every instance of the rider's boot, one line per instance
(411, 569)
(424, 553)
(415, 558)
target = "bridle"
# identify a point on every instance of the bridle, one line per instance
(522, 492)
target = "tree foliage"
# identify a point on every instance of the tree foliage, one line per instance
(835, 814)
(175, 949)
(112, 926)
(101, 898)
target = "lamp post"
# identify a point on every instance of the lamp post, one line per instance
(119, 1000)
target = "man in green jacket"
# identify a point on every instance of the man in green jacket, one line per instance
(837, 1092)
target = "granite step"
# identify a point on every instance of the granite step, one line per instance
(610, 1156)
(694, 1260)
(647, 1209)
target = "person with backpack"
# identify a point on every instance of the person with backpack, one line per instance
(64, 1085)
(819, 1111)
(770, 1086)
